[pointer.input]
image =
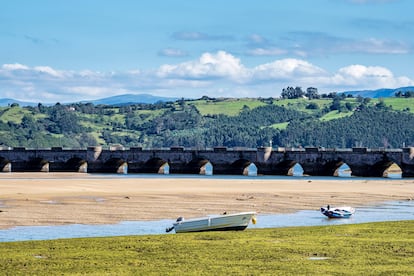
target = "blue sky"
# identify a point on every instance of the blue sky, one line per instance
(65, 51)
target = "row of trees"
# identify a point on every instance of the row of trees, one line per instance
(310, 93)
(297, 92)
(406, 94)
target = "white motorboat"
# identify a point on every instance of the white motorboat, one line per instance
(338, 212)
(237, 221)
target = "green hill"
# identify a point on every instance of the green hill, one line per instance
(248, 122)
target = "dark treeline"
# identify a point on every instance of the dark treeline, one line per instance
(369, 127)
(181, 124)
(251, 128)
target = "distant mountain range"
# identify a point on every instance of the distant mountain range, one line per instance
(150, 99)
(131, 99)
(379, 93)
(8, 101)
(114, 100)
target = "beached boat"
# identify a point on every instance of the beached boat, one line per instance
(237, 221)
(337, 212)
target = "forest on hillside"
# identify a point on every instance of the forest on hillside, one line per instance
(353, 123)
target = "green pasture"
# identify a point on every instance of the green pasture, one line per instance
(335, 114)
(301, 104)
(13, 114)
(230, 107)
(400, 103)
(385, 248)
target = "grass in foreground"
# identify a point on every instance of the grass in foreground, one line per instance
(371, 249)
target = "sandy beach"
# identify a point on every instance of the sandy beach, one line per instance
(65, 198)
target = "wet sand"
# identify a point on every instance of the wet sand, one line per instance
(60, 198)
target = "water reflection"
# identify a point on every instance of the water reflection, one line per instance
(390, 211)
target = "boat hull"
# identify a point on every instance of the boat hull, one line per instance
(338, 212)
(231, 222)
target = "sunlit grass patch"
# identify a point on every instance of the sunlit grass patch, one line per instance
(335, 114)
(13, 114)
(230, 107)
(402, 104)
(280, 126)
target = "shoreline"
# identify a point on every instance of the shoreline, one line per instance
(31, 199)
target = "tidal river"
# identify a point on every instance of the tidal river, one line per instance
(388, 211)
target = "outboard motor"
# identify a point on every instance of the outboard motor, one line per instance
(179, 219)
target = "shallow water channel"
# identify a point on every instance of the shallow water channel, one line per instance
(389, 211)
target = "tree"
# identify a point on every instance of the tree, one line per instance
(336, 104)
(406, 94)
(292, 93)
(312, 106)
(366, 101)
(381, 104)
(312, 93)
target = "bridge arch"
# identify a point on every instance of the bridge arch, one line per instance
(250, 170)
(200, 165)
(5, 165)
(343, 170)
(337, 167)
(285, 167)
(38, 164)
(393, 171)
(243, 167)
(379, 163)
(157, 165)
(387, 168)
(296, 170)
(116, 165)
(382, 168)
(76, 164)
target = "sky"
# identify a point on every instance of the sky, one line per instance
(68, 51)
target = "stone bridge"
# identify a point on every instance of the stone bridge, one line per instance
(219, 160)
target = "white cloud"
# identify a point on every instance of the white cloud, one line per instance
(48, 70)
(287, 69)
(360, 71)
(15, 66)
(209, 65)
(213, 74)
(266, 51)
(368, 77)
